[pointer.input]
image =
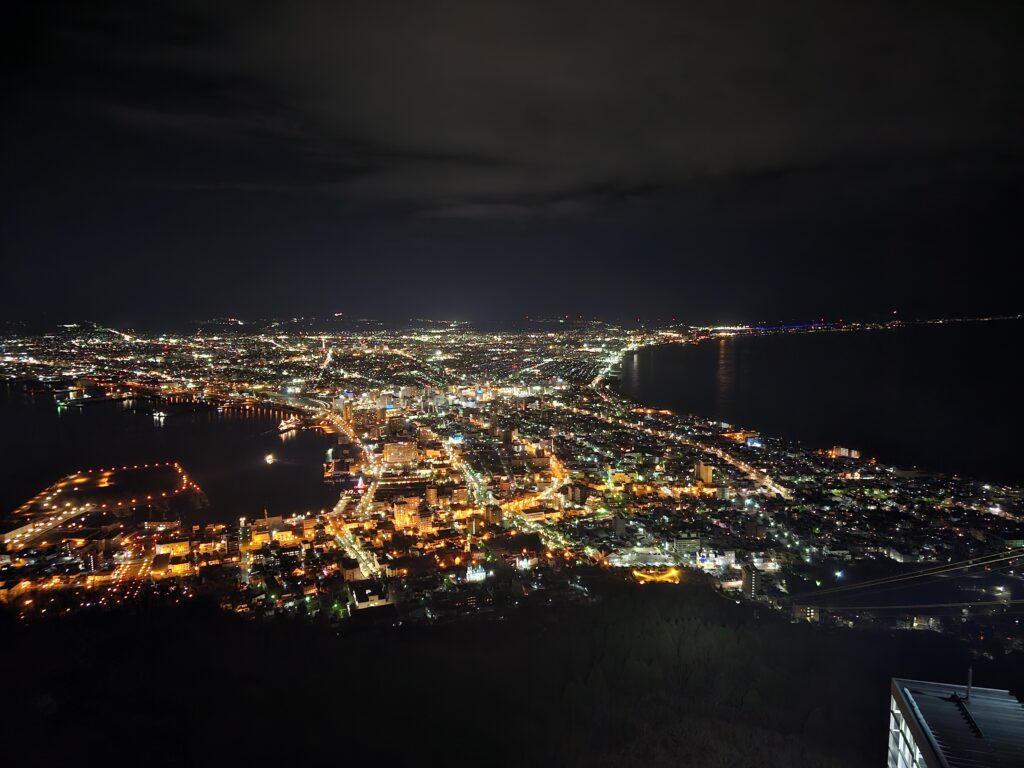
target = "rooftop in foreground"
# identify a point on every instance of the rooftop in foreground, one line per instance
(982, 727)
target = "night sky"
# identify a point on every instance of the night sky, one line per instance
(720, 161)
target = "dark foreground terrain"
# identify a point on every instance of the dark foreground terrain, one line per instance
(646, 676)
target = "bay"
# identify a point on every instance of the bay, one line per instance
(223, 451)
(942, 397)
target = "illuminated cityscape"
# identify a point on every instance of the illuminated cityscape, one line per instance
(601, 385)
(478, 469)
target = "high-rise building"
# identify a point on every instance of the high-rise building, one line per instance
(939, 725)
(406, 512)
(702, 473)
(752, 581)
(424, 521)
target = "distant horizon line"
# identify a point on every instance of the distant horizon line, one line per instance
(565, 319)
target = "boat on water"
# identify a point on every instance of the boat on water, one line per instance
(287, 425)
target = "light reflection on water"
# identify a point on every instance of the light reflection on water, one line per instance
(725, 374)
(634, 373)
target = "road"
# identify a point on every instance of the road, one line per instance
(353, 547)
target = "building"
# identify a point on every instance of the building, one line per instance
(752, 582)
(424, 521)
(398, 454)
(808, 613)
(540, 514)
(687, 545)
(179, 565)
(350, 570)
(939, 725)
(173, 547)
(493, 514)
(369, 594)
(406, 512)
(839, 452)
(284, 536)
(702, 473)
(12, 590)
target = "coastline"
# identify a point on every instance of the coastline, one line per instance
(612, 379)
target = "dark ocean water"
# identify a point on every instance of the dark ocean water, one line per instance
(224, 452)
(942, 397)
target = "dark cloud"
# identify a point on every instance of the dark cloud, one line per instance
(550, 97)
(795, 140)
